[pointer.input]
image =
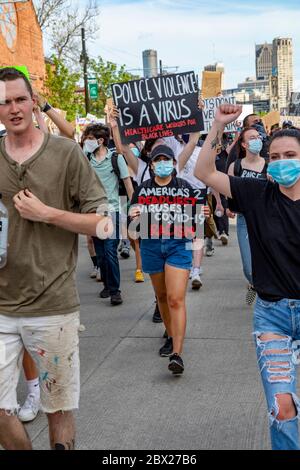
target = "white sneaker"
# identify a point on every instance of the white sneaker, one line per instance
(196, 282)
(29, 411)
(93, 274)
(98, 275)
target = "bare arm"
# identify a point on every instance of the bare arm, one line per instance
(128, 187)
(231, 169)
(188, 150)
(40, 120)
(31, 208)
(206, 165)
(65, 127)
(125, 150)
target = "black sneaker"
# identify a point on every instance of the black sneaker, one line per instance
(104, 294)
(176, 364)
(156, 315)
(167, 348)
(165, 334)
(116, 299)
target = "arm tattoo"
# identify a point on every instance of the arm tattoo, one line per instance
(216, 142)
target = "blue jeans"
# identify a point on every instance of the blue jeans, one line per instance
(243, 239)
(107, 259)
(277, 359)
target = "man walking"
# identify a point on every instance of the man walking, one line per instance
(51, 194)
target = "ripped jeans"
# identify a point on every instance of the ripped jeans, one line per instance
(277, 360)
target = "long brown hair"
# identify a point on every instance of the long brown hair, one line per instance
(241, 151)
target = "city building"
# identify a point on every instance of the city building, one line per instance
(263, 61)
(283, 70)
(21, 40)
(150, 63)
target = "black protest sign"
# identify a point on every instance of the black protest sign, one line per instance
(158, 107)
(169, 212)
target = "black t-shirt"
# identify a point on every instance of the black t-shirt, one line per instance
(238, 170)
(171, 211)
(274, 235)
(233, 155)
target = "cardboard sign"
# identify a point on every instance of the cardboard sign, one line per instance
(158, 107)
(211, 84)
(209, 112)
(210, 108)
(270, 119)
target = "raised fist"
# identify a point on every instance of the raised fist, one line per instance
(228, 113)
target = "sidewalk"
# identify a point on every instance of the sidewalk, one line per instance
(129, 399)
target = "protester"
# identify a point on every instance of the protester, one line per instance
(252, 120)
(51, 194)
(166, 256)
(101, 160)
(248, 165)
(272, 212)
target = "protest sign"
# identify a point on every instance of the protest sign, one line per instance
(294, 108)
(157, 107)
(209, 111)
(211, 84)
(210, 108)
(294, 119)
(273, 117)
(168, 212)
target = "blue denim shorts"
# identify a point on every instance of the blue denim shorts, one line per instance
(157, 253)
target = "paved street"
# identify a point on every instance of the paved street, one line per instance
(130, 400)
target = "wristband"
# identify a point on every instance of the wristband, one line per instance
(46, 108)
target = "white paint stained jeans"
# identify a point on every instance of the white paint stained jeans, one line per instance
(277, 360)
(53, 343)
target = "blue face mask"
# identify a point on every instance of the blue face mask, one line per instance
(135, 152)
(255, 146)
(285, 172)
(163, 169)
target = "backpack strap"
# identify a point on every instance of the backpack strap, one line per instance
(237, 169)
(115, 165)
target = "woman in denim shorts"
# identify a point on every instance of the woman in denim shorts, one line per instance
(166, 252)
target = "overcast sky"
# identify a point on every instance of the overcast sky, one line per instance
(193, 33)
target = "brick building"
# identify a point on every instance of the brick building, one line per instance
(21, 39)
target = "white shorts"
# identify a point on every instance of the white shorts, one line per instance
(53, 343)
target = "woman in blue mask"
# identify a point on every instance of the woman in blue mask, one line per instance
(248, 165)
(157, 206)
(272, 212)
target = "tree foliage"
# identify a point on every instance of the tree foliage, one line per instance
(106, 73)
(61, 86)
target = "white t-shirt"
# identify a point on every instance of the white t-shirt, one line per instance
(187, 173)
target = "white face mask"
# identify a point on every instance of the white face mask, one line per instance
(90, 146)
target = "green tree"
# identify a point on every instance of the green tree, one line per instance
(61, 86)
(106, 73)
